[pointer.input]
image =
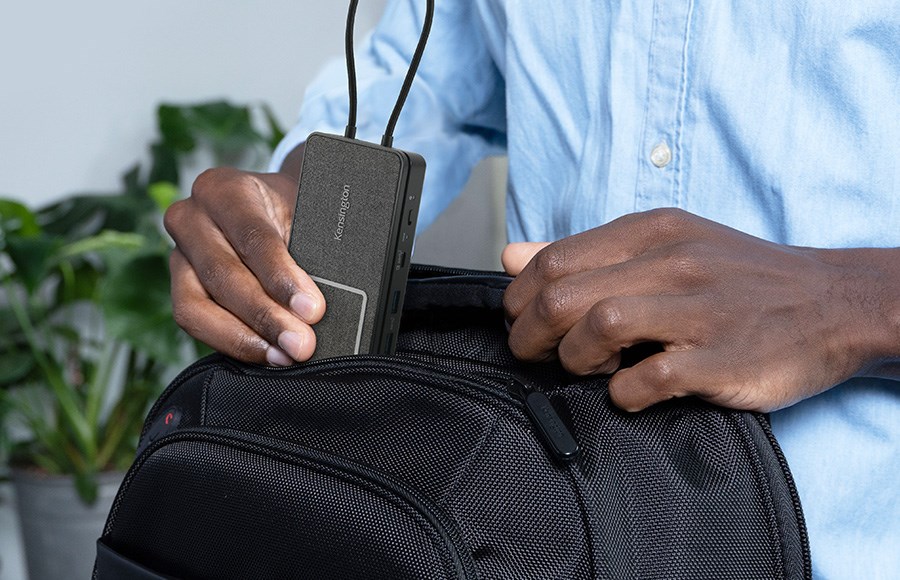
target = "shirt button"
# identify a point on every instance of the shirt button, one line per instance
(661, 155)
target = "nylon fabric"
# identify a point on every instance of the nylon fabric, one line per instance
(427, 464)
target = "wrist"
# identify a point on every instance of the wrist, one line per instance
(293, 162)
(866, 281)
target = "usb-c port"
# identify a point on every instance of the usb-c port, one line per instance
(395, 302)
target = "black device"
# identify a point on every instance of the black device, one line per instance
(353, 230)
(355, 222)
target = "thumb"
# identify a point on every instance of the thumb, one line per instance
(516, 256)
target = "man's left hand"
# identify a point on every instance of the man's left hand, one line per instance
(743, 323)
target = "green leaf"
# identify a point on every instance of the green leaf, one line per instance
(163, 193)
(138, 309)
(32, 258)
(121, 431)
(86, 486)
(224, 128)
(131, 179)
(15, 365)
(219, 121)
(84, 215)
(9, 326)
(81, 284)
(105, 241)
(65, 332)
(175, 128)
(50, 464)
(164, 164)
(227, 129)
(16, 218)
(276, 133)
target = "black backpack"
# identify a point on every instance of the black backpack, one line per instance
(450, 459)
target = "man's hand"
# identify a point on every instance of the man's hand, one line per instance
(743, 323)
(234, 285)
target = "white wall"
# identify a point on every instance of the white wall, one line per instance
(79, 81)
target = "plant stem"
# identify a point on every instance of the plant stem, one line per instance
(66, 398)
(100, 383)
(68, 279)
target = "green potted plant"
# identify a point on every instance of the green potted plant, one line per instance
(87, 339)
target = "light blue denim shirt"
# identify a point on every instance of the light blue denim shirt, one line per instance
(780, 119)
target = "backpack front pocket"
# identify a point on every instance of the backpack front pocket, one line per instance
(210, 503)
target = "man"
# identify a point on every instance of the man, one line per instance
(776, 122)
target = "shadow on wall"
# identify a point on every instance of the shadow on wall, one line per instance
(471, 232)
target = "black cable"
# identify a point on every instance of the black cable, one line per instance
(350, 131)
(388, 139)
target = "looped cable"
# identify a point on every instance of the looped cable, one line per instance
(388, 139)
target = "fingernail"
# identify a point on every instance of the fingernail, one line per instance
(291, 343)
(278, 358)
(304, 305)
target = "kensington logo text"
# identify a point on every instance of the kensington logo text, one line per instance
(342, 213)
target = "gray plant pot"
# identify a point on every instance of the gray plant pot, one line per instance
(58, 530)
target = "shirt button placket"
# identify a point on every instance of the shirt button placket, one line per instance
(658, 178)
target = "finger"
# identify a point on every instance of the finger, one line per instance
(661, 377)
(538, 330)
(211, 324)
(517, 255)
(230, 284)
(256, 224)
(618, 241)
(594, 343)
(708, 373)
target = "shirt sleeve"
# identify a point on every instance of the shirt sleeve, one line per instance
(455, 114)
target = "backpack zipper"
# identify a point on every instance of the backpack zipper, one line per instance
(450, 271)
(215, 358)
(549, 427)
(795, 497)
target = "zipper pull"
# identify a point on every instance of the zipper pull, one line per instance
(550, 426)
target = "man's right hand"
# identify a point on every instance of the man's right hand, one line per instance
(235, 287)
